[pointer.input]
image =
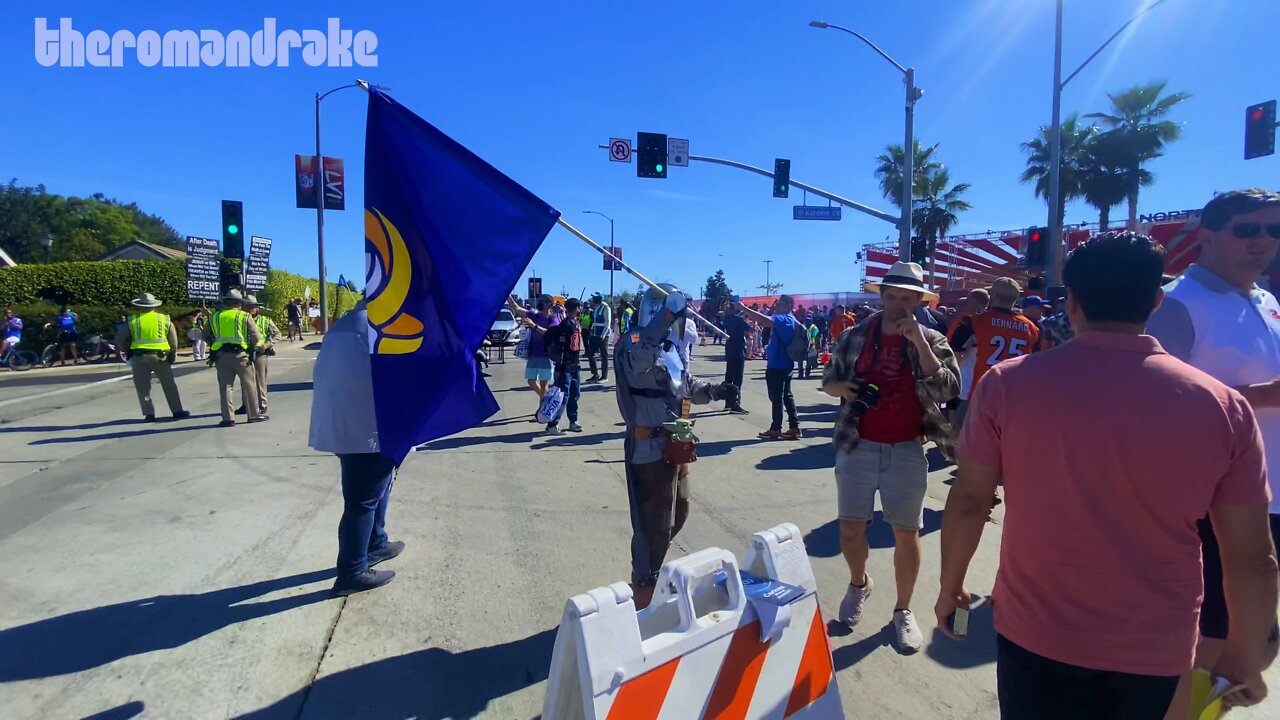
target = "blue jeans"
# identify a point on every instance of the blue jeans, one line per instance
(366, 488)
(571, 384)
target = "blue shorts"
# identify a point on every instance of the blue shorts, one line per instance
(538, 368)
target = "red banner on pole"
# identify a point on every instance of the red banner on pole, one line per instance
(610, 263)
(306, 177)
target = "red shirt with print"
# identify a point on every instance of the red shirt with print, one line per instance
(897, 417)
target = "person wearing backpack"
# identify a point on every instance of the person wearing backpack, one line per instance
(788, 343)
(564, 347)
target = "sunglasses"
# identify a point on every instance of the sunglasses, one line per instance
(1247, 230)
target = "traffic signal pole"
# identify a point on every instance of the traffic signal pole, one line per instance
(908, 166)
(1053, 258)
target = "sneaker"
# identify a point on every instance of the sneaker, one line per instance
(182, 415)
(593, 378)
(770, 435)
(227, 423)
(739, 411)
(792, 434)
(854, 598)
(575, 427)
(553, 430)
(367, 580)
(388, 551)
(909, 637)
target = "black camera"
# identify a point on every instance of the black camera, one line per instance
(868, 396)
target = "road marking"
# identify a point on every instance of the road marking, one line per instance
(51, 393)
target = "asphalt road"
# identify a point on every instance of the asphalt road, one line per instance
(178, 570)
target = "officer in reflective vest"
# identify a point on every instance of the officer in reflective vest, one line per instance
(233, 343)
(269, 333)
(150, 344)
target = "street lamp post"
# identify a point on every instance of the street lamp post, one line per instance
(1053, 256)
(47, 242)
(908, 149)
(768, 284)
(611, 248)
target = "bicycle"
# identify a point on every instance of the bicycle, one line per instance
(95, 350)
(18, 359)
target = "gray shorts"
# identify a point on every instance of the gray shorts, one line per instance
(900, 472)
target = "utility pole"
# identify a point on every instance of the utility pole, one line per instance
(768, 286)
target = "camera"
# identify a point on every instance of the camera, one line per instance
(868, 396)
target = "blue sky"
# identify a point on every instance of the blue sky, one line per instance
(535, 87)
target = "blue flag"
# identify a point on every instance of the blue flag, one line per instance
(446, 238)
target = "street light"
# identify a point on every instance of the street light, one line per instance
(1053, 259)
(768, 286)
(319, 192)
(46, 242)
(611, 247)
(908, 148)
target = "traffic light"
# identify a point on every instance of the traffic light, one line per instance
(1260, 130)
(918, 250)
(232, 229)
(781, 177)
(651, 155)
(1037, 243)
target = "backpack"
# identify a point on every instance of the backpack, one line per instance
(552, 405)
(798, 348)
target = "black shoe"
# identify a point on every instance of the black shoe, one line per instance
(367, 580)
(739, 411)
(390, 550)
(241, 411)
(262, 411)
(593, 378)
(227, 423)
(148, 418)
(260, 418)
(182, 415)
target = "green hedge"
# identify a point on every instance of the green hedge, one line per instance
(114, 284)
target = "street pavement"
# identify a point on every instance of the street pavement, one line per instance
(179, 570)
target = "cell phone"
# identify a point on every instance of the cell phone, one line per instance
(958, 623)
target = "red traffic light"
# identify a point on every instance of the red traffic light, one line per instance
(1257, 114)
(1035, 237)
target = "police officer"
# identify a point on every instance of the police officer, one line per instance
(653, 385)
(268, 333)
(150, 344)
(598, 344)
(233, 343)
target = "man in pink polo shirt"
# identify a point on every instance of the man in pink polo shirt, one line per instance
(1099, 585)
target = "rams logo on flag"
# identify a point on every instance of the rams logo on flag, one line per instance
(390, 272)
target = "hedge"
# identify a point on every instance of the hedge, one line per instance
(93, 319)
(115, 283)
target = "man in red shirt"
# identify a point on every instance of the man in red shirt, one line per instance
(879, 439)
(1099, 584)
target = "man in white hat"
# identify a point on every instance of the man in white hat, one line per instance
(150, 342)
(892, 376)
(233, 343)
(269, 333)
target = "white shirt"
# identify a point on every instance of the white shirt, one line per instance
(684, 346)
(342, 415)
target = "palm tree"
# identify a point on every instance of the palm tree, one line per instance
(889, 170)
(1137, 125)
(1104, 181)
(934, 213)
(1075, 140)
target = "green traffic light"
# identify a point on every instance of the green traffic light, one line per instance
(657, 168)
(233, 229)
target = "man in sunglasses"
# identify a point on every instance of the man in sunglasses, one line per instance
(1216, 318)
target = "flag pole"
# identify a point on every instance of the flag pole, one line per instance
(634, 273)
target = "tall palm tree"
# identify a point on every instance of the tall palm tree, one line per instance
(1075, 139)
(889, 170)
(1104, 180)
(935, 211)
(1138, 126)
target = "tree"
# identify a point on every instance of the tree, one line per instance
(1075, 142)
(935, 212)
(1139, 131)
(716, 291)
(1104, 182)
(889, 170)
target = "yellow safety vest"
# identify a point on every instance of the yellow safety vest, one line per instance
(264, 324)
(149, 331)
(228, 329)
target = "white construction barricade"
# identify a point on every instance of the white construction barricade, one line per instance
(708, 646)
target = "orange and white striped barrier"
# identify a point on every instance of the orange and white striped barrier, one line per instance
(700, 650)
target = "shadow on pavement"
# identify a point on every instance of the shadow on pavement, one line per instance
(120, 712)
(849, 655)
(803, 457)
(936, 460)
(430, 684)
(290, 387)
(824, 541)
(69, 428)
(978, 649)
(91, 638)
(454, 443)
(573, 439)
(722, 447)
(598, 461)
(127, 434)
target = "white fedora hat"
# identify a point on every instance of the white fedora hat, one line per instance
(905, 275)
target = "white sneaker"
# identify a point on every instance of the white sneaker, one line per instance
(909, 637)
(851, 606)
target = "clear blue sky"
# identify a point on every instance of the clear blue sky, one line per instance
(535, 87)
